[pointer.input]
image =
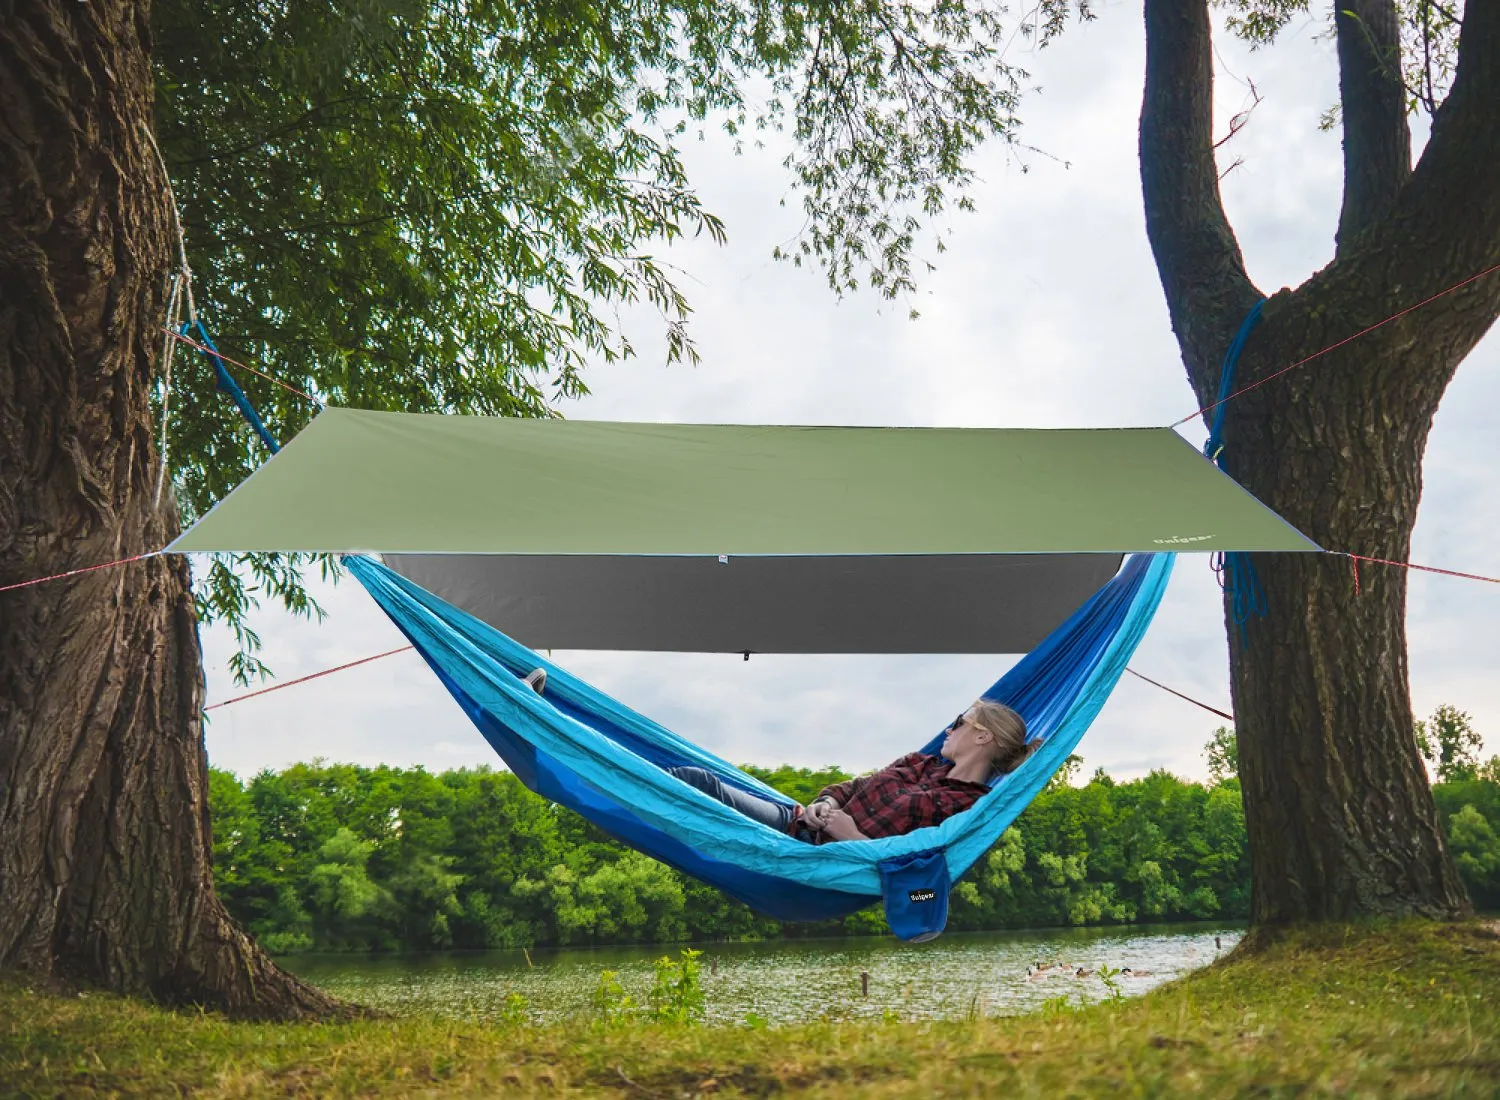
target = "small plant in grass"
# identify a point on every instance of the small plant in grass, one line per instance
(1058, 1006)
(975, 1009)
(677, 994)
(514, 1012)
(610, 1002)
(1111, 979)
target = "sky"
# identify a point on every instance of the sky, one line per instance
(1045, 311)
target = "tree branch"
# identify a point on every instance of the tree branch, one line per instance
(1199, 261)
(1444, 224)
(1377, 140)
(1461, 163)
(254, 143)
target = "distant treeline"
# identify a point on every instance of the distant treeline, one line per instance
(338, 857)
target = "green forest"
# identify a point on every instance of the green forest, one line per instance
(337, 857)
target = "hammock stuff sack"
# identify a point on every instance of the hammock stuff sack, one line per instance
(496, 537)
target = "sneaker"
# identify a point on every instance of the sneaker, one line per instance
(536, 680)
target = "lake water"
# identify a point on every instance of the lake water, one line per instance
(784, 981)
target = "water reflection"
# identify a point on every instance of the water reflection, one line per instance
(985, 973)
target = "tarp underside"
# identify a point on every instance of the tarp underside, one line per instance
(967, 603)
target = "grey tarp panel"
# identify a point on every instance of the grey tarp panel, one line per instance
(838, 539)
(964, 603)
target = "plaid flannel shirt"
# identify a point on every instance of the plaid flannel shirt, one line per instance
(912, 793)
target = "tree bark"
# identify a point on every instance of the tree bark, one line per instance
(1339, 813)
(105, 872)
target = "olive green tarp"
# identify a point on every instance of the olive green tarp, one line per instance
(579, 534)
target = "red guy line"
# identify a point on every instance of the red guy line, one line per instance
(304, 679)
(1189, 698)
(1332, 347)
(1357, 558)
(77, 572)
(244, 366)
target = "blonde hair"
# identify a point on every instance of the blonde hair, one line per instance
(1009, 749)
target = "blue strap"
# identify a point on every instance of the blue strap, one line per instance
(1215, 442)
(226, 384)
(1236, 571)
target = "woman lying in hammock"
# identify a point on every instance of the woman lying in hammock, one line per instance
(920, 789)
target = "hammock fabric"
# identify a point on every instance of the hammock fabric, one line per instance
(584, 750)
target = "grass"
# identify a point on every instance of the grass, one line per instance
(1410, 1009)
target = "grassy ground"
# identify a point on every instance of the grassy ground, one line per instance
(1405, 1010)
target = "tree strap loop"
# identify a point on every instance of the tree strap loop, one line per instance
(1237, 573)
(227, 385)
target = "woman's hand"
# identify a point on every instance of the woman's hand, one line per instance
(841, 826)
(816, 814)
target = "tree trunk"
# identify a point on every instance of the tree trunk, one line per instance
(1339, 813)
(1338, 809)
(105, 873)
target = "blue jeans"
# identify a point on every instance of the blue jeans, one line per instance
(775, 814)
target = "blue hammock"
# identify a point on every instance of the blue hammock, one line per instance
(590, 753)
